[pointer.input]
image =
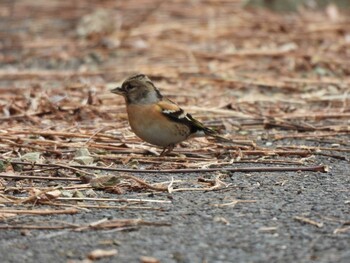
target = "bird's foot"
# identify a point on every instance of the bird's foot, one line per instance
(167, 150)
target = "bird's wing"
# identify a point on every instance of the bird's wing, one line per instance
(172, 111)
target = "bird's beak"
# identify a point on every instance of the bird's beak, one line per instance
(118, 91)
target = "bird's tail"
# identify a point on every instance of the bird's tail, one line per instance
(211, 133)
(200, 130)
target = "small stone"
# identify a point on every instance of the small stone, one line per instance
(90, 193)
(34, 157)
(65, 193)
(268, 143)
(3, 166)
(82, 152)
(84, 160)
(100, 253)
(146, 259)
(78, 194)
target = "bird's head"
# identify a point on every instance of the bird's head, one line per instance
(138, 89)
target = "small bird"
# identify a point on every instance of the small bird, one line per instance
(156, 119)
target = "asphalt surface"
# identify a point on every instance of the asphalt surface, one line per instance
(265, 230)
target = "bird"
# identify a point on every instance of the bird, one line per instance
(155, 118)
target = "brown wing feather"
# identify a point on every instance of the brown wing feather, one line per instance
(175, 113)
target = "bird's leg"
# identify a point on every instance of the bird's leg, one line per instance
(167, 150)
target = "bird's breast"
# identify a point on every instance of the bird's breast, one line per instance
(148, 123)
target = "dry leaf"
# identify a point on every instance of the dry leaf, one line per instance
(53, 194)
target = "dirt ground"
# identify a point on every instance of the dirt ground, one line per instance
(276, 84)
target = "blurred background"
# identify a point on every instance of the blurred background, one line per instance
(172, 37)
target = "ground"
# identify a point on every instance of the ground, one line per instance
(277, 85)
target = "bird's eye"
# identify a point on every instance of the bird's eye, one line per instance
(130, 87)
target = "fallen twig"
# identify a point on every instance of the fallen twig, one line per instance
(308, 221)
(33, 177)
(40, 212)
(319, 168)
(119, 200)
(100, 225)
(234, 202)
